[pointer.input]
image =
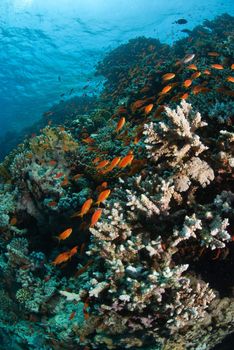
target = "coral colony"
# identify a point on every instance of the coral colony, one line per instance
(117, 226)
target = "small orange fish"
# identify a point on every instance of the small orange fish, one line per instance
(102, 164)
(192, 67)
(61, 258)
(52, 204)
(95, 217)
(101, 187)
(200, 88)
(187, 83)
(195, 75)
(127, 160)
(137, 138)
(84, 268)
(96, 160)
(168, 76)
(120, 124)
(103, 196)
(65, 234)
(65, 182)
(232, 66)
(207, 72)
(225, 91)
(72, 315)
(217, 66)
(58, 175)
(88, 140)
(213, 54)
(137, 104)
(148, 108)
(52, 162)
(73, 251)
(114, 162)
(159, 111)
(230, 79)
(165, 90)
(13, 221)
(184, 96)
(84, 209)
(112, 165)
(77, 176)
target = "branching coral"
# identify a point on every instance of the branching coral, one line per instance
(142, 293)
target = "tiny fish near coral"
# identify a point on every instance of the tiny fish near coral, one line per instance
(65, 234)
(120, 124)
(126, 161)
(103, 196)
(84, 209)
(95, 217)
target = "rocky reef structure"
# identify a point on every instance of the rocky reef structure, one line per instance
(120, 235)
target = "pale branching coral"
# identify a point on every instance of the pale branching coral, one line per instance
(163, 138)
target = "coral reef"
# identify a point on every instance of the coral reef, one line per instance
(117, 226)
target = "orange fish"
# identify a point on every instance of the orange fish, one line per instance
(232, 66)
(13, 221)
(52, 204)
(84, 268)
(207, 72)
(114, 162)
(61, 258)
(103, 196)
(213, 54)
(159, 110)
(96, 160)
(225, 91)
(148, 108)
(72, 315)
(77, 176)
(58, 175)
(127, 160)
(112, 165)
(88, 140)
(95, 217)
(217, 66)
(195, 75)
(200, 88)
(230, 79)
(101, 187)
(192, 67)
(137, 104)
(137, 138)
(187, 83)
(165, 90)
(65, 182)
(168, 76)
(102, 164)
(84, 209)
(184, 96)
(120, 124)
(73, 251)
(52, 162)
(65, 234)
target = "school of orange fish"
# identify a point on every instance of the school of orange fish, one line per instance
(148, 107)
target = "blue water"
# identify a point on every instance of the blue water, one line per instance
(50, 48)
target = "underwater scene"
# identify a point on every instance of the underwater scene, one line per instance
(117, 175)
